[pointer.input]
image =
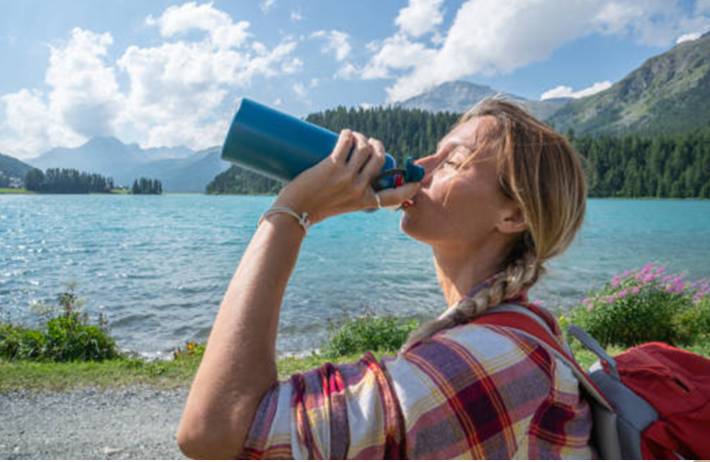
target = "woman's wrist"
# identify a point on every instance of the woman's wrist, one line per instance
(285, 223)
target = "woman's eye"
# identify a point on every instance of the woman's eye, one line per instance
(451, 162)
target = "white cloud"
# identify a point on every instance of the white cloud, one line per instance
(223, 32)
(296, 16)
(489, 37)
(420, 17)
(266, 5)
(178, 92)
(277, 102)
(397, 53)
(336, 43)
(347, 71)
(299, 89)
(564, 91)
(314, 83)
(688, 37)
(83, 99)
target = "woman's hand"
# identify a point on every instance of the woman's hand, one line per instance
(341, 183)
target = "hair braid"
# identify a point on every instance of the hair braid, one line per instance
(517, 276)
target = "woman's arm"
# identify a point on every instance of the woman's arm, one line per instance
(239, 366)
(239, 363)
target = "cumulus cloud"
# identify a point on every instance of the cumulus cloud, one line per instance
(336, 42)
(420, 17)
(82, 101)
(688, 37)
(489, 37)
(296, 16)
(564, 91)
(178, 92)
(222, 31)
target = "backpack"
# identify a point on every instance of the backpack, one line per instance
(650, 402)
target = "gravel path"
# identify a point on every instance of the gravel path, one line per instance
(130, 423)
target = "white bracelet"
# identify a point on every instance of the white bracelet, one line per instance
(302, 218)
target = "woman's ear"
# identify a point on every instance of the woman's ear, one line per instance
(511, 220)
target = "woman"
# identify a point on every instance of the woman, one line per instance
(502, 194)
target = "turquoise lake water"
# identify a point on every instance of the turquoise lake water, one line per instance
(159, 265)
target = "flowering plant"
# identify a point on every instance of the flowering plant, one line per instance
(646, 304)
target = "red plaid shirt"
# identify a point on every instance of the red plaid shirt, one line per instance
(472, 391)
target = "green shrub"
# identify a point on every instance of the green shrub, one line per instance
(21, 343)
(71, 338)
(646, 305)
(368, 333)
(68, 336)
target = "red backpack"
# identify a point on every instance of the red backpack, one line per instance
(650, 402)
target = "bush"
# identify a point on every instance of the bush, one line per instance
(646, 305)
(21, 343)
(368, 333)
(68, 336)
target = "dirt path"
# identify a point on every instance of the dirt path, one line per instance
(131, 423)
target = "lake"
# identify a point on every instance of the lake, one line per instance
(159, 265)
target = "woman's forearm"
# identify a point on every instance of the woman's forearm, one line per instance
(239, 364)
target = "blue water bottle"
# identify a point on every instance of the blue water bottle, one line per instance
(281, 146)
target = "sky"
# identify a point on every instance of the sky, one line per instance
(170, 73)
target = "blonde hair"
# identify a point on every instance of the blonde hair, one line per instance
(542, 173)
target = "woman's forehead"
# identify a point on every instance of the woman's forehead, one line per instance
(469, 133)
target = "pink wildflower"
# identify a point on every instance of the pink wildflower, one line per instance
(623, 293)
(616, 281)
(610, 299)
(636, 290)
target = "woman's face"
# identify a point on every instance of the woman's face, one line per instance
(459, 207)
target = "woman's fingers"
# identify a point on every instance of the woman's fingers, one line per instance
(343, 146)
(360, 154)
(373, 167)
(394, 196)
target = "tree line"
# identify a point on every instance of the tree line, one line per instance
(664, 166)
(72, 181)
(66, 181)
(147, 186)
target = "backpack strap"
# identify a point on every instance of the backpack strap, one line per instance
(520, 318)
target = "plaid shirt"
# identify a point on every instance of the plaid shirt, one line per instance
(472, 391)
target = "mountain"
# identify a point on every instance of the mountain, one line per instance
(459, 96)
(668, 93)
(11, 167)
(179, 169)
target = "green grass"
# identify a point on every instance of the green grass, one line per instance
(15, 191)
(33, 375)
(38, 375)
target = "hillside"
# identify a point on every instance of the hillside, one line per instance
(668, 93)
(179, 169)
(12, 171)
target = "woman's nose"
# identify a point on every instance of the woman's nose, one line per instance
(429, 163)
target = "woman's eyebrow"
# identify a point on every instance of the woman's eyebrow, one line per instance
(457, 142)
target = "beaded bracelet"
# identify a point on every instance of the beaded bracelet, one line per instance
(302, 218)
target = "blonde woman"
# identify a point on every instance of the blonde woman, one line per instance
(502, 194)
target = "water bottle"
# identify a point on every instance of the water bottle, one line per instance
(281, 146)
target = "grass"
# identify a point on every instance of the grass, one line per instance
(54, 376)
(15, 191)
(42, 376)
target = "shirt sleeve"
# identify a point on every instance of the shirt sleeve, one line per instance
(332, 412)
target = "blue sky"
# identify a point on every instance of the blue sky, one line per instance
(168, 73)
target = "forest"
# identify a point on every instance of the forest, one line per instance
(66, 181)
(664, 166)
